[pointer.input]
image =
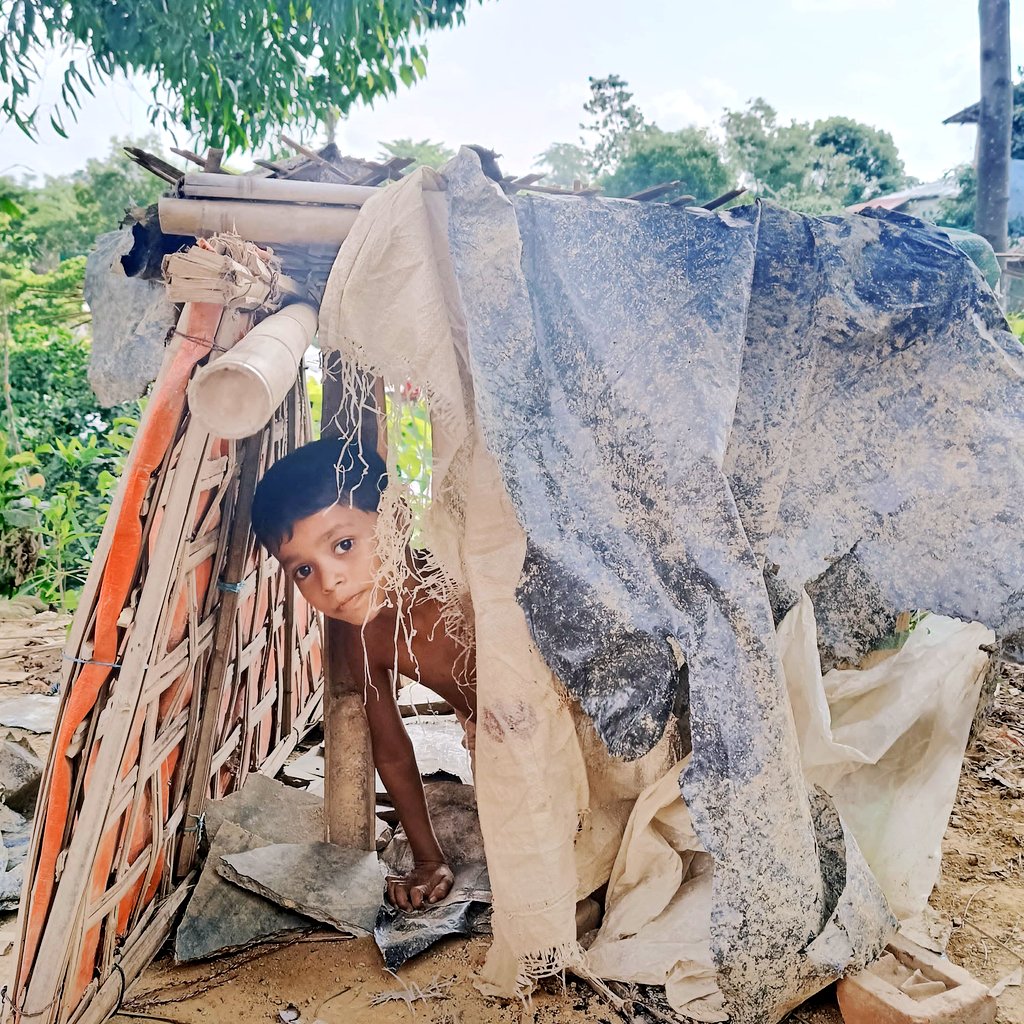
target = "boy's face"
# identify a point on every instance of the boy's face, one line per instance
(332, 557)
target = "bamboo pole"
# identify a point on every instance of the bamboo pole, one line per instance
(257, 222)
(349, 786)
(274, 190)
(236, 395)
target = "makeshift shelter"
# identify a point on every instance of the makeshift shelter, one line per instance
(655, 429)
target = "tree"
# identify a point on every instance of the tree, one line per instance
(234, 74)
(773, 156)
(64, 217)
(614, 120)
(818, 169)
(690, 156)
(959, 211)
(423, 153)
(564, 163)
(995, 118)
(1017, 132)
(872, 163)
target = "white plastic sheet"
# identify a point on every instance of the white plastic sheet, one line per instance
(886, 743)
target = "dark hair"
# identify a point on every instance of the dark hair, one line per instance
(312, 478)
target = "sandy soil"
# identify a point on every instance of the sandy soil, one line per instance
(981, 889)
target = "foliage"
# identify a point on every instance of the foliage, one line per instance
(423, 153)
(236, 74)
(18, 543)
(773, 156)
(61, 453)
(614, 120)
(958, 212)
(1016, 321)
(814, 169)
(413, 454)
(62, 218)
(872, 161)
(315, 394)
(656, 157)
(1017, 130)
(564, 163)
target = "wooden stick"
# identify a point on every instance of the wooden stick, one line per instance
(236, 395)
(726, 197)
(189, 155)
(257, 222)
(153, 164)
(350, 797)
(316, 158)
(654, 191)
(275, 190)
(214, 158)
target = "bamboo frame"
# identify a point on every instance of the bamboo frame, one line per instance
(198, 631)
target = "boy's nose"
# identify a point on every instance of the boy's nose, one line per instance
(332, 580)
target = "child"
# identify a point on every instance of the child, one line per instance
(316, 511)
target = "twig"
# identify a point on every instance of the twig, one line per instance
(971, 900)
(330, 998)
(147, 1016)
(620, 1005)
(1009, 949)
(412, 992)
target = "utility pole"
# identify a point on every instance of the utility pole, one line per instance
(994, 124)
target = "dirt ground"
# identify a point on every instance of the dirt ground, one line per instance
(980, 895)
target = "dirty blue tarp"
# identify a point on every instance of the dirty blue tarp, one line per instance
(687, 405)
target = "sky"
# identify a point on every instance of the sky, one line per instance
(514, 77)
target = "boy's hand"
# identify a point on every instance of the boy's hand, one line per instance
(426, 884)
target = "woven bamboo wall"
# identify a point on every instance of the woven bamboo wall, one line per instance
(190, 663)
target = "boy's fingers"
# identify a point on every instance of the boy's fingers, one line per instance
(440, 891)
(398, 895)
(418, 894)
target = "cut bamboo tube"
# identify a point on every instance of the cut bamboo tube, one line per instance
(275, 190)
(257, 222)
(236, 395)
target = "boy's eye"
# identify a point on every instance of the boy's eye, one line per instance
(302, 572)
(343, 545)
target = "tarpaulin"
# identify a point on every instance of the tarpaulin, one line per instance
(640, 414)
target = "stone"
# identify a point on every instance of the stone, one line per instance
(20, 774)
(331, 884)
(453, 814)
(269, 809)
(220, 917)
(10, 888)
(131, 321)
(909, 984)
(34, 712)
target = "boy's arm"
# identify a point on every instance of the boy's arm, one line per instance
(395, 761)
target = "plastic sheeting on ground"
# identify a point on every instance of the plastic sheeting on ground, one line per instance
(637, 412)
(886, 743)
